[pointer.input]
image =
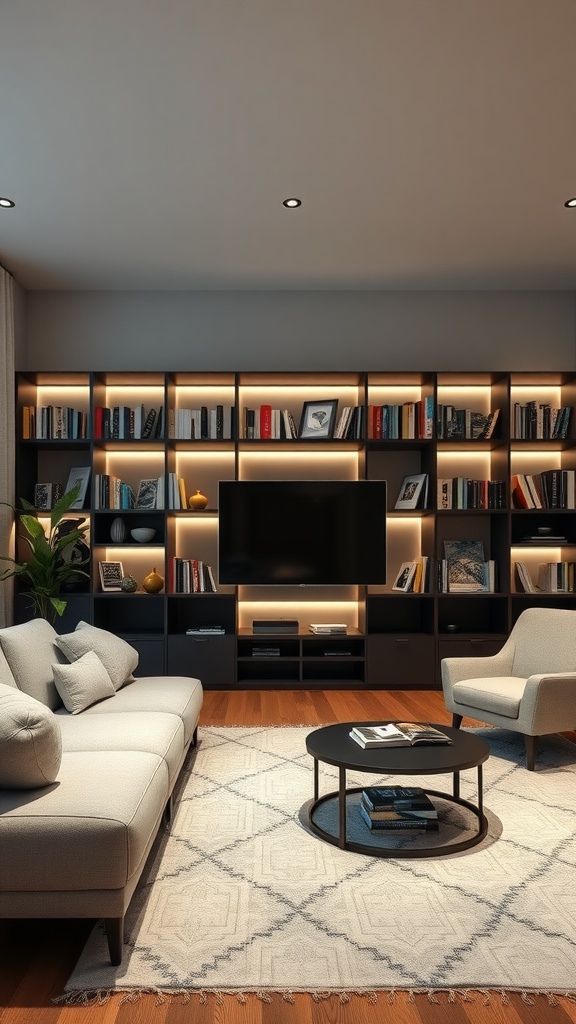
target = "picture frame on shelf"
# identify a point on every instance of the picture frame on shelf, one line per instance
(318, 419)
(413, 492)
(147, 496)
(405, 577)
(46, 496)
(111, 575)
(78, 475)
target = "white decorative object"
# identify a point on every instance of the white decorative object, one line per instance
(143, 534)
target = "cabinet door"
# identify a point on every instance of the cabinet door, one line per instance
(470, 647)
(400, 662)
(151, 660)
(211, 659)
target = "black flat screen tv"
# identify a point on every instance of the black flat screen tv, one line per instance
(302, 532)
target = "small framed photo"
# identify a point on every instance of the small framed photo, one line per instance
(147, 496)
(43, 497)
(81, 475)
(111, 574)
(318, 418)
(405, 577)
(411, 491)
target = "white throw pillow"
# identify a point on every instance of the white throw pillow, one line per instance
(117, 656)
(83, 683)
(30, 741)
(30, 651)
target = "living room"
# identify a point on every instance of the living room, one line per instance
(148, 153)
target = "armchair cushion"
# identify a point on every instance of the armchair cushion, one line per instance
(498, 695)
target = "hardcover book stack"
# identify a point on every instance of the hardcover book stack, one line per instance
(398, 808)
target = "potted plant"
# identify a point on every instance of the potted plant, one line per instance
(56, 556)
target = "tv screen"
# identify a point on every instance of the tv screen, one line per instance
(302, 532)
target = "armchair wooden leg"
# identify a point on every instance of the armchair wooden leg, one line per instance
(115, 936)
(530, 743)
(457, 721)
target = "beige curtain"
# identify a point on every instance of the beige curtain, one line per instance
(7, 435)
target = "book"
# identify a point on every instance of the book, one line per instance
(381, 798)
(391, 825)
(382, 807)
(328, 628)
(400, 734)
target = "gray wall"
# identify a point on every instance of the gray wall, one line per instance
(300, 330)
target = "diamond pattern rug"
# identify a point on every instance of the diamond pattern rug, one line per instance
(240, 897)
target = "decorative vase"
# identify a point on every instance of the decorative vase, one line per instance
(153, 582)
(198, 501)
(128, 584)
(118, 531)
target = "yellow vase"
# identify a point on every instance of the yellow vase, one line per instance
(198, 500)
(153, 582)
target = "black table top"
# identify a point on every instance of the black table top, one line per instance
(333, 745)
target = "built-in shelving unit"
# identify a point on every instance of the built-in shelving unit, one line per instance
(394, 639)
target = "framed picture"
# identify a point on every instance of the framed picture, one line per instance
(411, 491)
(147, 493)
(405, 577)
(43, 497)
(111, 574)
(81, 475)
(318, 418)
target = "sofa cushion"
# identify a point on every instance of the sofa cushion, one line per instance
(30, 741)
(117, 656)
(30, 652)
(176, 695)
(89, 831)
(82, 683)
(159, 733)
(500, 695)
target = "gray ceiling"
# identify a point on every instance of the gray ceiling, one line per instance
(149, 144)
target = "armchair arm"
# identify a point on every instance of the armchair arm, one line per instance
(548, 704)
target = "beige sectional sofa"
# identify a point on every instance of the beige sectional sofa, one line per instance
(89, 756)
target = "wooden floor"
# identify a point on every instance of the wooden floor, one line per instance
(36, 957)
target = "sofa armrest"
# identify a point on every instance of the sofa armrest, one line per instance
(548, 704)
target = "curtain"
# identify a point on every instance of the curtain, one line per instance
(7, 435)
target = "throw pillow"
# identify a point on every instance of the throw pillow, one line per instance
(83, 683)
(117, 656)
(30, 651)
(30, 741)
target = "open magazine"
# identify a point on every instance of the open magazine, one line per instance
(397, 734)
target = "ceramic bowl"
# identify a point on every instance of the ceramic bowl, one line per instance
(143, 534)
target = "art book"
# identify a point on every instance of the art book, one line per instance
(397, 734)
(465, 564)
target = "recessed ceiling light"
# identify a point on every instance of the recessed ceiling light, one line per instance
(6, 203)
(292, 203)
(570, 202)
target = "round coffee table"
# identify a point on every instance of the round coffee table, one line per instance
(333, 745)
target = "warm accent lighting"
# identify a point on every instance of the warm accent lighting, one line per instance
(8, 203)
(291, 204)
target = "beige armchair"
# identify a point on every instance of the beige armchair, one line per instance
(528, 687)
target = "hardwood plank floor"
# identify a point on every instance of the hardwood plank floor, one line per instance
(36, 957)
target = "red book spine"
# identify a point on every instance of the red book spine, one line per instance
(98, 418)
(265, 421)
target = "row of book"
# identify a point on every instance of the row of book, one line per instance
(124, 423)
(462, 492)
(398, 808)
(554, 488)
(49, 422)
(177, 498)
(267, 423)
(413, 577)
(466, 424)
(408, 420)
(538, 421)
(112, 492)
(190, 576)
(553, 577)
(204, 423)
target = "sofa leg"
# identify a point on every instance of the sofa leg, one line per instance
(530, 743)
(168, 811)
(457, 721)
(194, 737)
(115, 936)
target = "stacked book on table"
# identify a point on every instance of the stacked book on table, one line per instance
(394, 808)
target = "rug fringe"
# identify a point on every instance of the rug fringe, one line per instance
(100, 997)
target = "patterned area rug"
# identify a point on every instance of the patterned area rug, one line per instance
(240, 897)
